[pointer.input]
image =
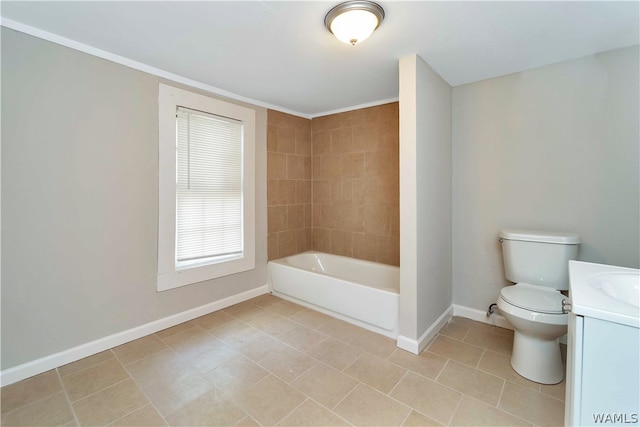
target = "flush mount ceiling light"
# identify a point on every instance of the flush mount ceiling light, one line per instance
(353, 21)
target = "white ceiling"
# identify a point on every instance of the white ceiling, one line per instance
(279, 54)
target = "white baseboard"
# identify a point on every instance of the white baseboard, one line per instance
(495, 319)
(38, 366)
(416, 346)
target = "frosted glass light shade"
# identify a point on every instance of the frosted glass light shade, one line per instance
(354, 21)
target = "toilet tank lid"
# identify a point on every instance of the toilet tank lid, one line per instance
(540, 236)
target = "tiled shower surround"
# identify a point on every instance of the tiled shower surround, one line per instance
(353, 181)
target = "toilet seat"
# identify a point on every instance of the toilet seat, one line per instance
(533, 298)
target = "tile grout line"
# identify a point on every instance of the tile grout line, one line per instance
(66, 395)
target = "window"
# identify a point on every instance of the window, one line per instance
(206, 181)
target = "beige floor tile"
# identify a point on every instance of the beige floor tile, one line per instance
(454, 330)
(241, 308)
(259, 346)
(247, 422)
(213, 357)
(286, 308)
(210, 409)
(456, 350)
(340, 330)
(335, 353)
(214, 320)
(311, 319)
(472, 412)
(312, 414)
(498, 343)
(500, 365)
(503, 331)
(85, 363)
(234, 333)
(416, 419)
(375, 344)
(93, 379)
(138, 349)
(554, 390)
(269, 322)
(145, 416)
(109, 404)
(325, 384)
(426, 363)
(165, 333)
(471, 381)
(168, 396)
(266, 300)
(430, 398)
(236, 375)
(270, 400)
(366, 406)
(375, 372)
(286, 363)
(27, 391)
(48, 411)
(532, 406)
(301, 338)
(191, 342)
(163, 366)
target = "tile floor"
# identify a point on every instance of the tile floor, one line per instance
(271, 362)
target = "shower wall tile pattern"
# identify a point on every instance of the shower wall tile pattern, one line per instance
(356, 184)
(333, 184)
(288, 184)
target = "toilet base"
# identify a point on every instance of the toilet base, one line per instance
(537, 359)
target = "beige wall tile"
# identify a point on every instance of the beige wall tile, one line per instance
(276, 118)
(272, 192)
(273, 249)
(295, 217)
(286, 192)
(277, 220)
(272, 139)
(321, 143)
(286, 140)
(303, 141)
(303, 192)
(287, 243)
(295, 166)
(276, 165)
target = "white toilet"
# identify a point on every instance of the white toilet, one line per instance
(538, 263)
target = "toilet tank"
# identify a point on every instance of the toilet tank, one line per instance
(538, 257)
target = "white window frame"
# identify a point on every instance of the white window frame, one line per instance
(169, 276)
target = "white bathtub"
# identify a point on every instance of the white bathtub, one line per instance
(360, 292)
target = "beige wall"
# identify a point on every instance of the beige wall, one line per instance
(333, 184)
(289, 184)
(425, 201)
(554, 148)
(80, 202)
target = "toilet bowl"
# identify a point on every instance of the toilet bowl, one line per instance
(537, 262)
(538, 323)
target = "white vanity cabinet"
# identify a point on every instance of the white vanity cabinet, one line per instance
(603, 348)
(603, 375)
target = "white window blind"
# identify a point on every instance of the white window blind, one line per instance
(209, 199)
